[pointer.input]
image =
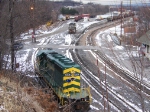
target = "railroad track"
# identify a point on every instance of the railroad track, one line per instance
(138, 85)
(113, 97)
(114, 100)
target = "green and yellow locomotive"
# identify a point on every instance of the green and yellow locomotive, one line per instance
(63, 76)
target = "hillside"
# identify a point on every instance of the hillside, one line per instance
(18, 97)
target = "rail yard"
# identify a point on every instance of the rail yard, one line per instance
(120, 76)
(103, 75)
(112, 87)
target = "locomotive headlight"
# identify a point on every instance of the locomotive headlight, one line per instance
(68, 80)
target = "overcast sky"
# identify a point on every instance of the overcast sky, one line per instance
(113, 2)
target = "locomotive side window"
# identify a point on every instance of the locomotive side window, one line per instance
(67, 74)
(77, 74)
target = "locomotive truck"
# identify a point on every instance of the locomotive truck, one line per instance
(63, 76)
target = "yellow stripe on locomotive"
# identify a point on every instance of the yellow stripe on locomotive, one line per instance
(71, 70)
(71, 80)
(71, 83)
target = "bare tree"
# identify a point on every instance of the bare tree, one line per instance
(17, 17)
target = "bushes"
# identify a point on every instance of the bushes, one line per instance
(45, 100)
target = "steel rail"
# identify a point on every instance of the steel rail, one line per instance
(126, 75)
(114, 99)
(89, 42)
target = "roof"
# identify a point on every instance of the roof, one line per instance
(145, 39)
(62, 61)
(72, 24)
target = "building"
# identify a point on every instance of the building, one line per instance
(145, 44)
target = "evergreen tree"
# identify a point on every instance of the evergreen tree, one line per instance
(69, 11)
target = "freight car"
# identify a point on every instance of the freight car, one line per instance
(77, 18)
(63, 76)
(115, 15)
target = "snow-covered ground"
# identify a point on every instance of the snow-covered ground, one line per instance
(25, 56)
(119, 54)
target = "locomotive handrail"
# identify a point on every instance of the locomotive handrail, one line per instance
(65, 94)
(90, 96)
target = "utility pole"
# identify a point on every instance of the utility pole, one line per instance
(121, 20)
(130, 5)
(106, 88)
(11, 5)
(33, 19)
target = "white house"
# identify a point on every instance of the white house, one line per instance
(145, 44)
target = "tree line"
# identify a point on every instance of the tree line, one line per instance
(69, 11)
(26, 15)
(22, 14)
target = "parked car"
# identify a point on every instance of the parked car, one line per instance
(18, 45)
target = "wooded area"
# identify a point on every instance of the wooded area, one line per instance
(19, 16)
